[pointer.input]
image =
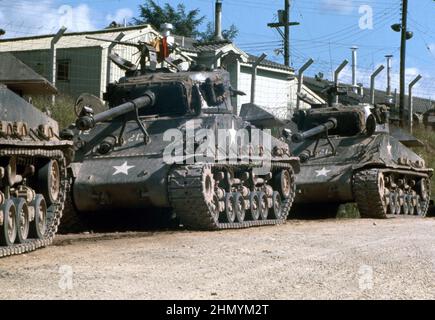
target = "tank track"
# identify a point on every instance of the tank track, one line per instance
(378, 193)
(54, 212)
(186, 194)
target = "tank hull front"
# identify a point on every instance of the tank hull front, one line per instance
(129, 183)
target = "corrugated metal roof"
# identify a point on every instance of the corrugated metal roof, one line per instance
(143, 26)
(269, 63)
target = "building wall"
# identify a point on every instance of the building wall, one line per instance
(38, 60)
(90, 70)
(274, 91)
(84, 68)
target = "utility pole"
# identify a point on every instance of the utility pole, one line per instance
(403, 59)
(405, 35)
(286, 33)
(284, 21)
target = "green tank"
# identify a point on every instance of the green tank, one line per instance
(348, 155)
(121, 160)
(33, 175)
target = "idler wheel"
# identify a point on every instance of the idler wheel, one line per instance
(264, 208)
(22, 220)
(239, 207)
(254, 200)
(8, 231)
(230, 214)
(277, 205)
(49, 181)
(39, 223)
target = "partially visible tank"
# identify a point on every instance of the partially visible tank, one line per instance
(122, 160)
(33, 175)
(348, 155)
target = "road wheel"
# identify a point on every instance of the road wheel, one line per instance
(393, 202)
(214, 208)
(39, 224)
(400, 201)
(277, 205)
(229, 208)
(406, 204)
(239, 207)
(255, 206)
(264, 208)
(22, 220)
(418, 206)
(8, 231)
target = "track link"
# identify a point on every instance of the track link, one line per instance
(186, 194)
(368, 198)
(377, 191)
(54, 212)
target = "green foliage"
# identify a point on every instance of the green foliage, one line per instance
(185, 23)
(348, 211)
(227, 34)
(62, 111)
(427, 136)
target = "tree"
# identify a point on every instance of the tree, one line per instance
(227, 34)
(185, 23)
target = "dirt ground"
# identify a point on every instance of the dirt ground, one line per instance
(329, 259)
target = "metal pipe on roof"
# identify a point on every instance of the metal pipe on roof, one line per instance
(218, 21)
(354, 66)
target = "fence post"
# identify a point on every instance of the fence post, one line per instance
(53, 50)
(411, 102)
(254, 75)
(372, 83)
(301, 81)
(337, 73)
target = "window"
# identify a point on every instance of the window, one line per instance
(63, 70)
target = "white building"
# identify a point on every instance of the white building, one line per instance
(82, 64)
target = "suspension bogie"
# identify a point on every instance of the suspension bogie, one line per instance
(400, 193)
(243, 195)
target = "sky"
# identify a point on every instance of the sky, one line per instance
(327, 30)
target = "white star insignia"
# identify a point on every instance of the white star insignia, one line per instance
(389, 147)
(322, 172)
(122, 169)
(233, 134)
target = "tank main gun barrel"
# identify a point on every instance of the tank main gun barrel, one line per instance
(88, 121)
(324, 127)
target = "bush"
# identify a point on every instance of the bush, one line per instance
(427, 152)
(62, 111)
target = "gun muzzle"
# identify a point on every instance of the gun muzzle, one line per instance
(328, 125)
